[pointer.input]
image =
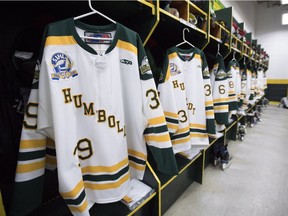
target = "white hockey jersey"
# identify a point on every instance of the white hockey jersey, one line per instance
(186, 72)
(244, 101)
(260, 83)
(219, 84)
(265, 84)
(234, 85)
(248, 84)
(172, 93)
(98, 101)
(253, 85)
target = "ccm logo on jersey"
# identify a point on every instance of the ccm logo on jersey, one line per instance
(125, 61)
(62, 67)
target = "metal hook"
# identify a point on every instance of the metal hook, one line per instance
(184, 40)
(90, 5)
(96, 11)
(184, 33)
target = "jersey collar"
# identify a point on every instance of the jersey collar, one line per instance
(185, 51)
(110, 27)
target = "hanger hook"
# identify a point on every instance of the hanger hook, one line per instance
(234, 52)
(184, 40)
(90, 5)
(218, 48)
(184, 33)
(93, 11)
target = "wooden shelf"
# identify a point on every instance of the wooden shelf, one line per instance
(188, 24)
(196, 10)
(148, 4)
(182, 8)
(236, 43)
(216, 39)
(162, 11)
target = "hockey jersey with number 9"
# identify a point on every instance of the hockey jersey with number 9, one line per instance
(98, 101)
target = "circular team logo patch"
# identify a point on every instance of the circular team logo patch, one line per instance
(174, 69)
(62, 67)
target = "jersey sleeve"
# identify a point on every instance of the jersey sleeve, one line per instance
(156, 133)
(36, 156)
(167, 99)
(70, 178)
(209, 107)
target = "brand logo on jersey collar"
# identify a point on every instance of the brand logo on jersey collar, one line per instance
(174, 69)
(125, 61)
(62, 67)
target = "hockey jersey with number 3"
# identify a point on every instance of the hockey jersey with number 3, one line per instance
(186, 72)
(98, 102)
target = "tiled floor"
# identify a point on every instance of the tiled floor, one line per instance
(256, 183)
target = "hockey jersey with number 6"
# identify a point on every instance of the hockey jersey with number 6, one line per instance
(98, 101)
(220, 91)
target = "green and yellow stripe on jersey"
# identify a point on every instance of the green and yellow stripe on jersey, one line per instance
(106, 177)
(181, 138)
(31, 159)
(157, 130)
(172, 120)
(137, 160)
(198, 130)
(75, 198)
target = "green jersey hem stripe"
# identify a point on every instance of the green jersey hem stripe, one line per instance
(25, 156)
(160, 129)
(76, 201)
(137, 160)
(106, 177)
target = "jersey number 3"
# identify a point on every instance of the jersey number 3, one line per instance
(154, 98)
